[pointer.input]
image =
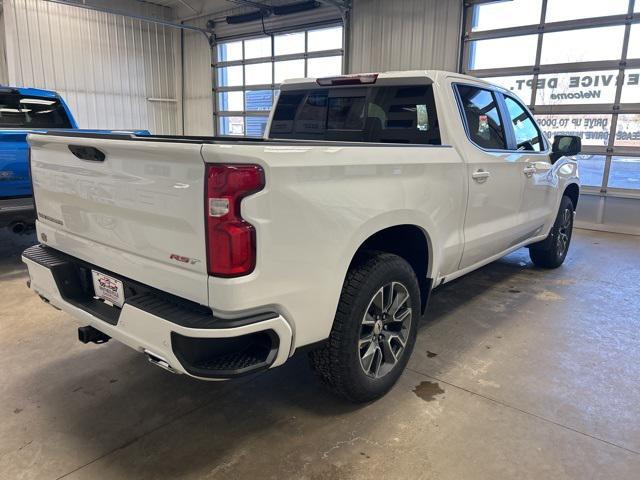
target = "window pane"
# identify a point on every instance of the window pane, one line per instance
(324, 66)
(503, 52)
(311, 120)
(559, 10)
(21, 111)
(592, 128)
(231, 126)
(591, 169)
(286, 110)
(289, 43)
(585, 45)
(258, 74)
(256, 126)
(628, 130)
(520, 86)
(631, 87)
(259, 100)
(634, 40)
(506, 14)
(231, 101)
(325, 39)
(577, 88)
(230, 76)
(482, 118)
(345, 113)
(625, 172)
(257, 47)
(405, 114)
(524, 128)
(227, 52)
(288, 69)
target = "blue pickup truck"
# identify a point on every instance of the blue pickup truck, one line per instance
(23, 111)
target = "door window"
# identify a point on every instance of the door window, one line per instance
(482, 118)
(527, 135)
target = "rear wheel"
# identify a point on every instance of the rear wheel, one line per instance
(551, 252)
(374, 330)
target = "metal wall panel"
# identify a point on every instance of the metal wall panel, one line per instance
(4, 74)
(405, 35)
(114, 72)
(197, 83)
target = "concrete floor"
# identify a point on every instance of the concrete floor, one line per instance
(517, 373)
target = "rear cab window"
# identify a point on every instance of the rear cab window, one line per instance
(28, 111)
(375, 114)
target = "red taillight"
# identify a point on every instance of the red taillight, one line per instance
(231, 241)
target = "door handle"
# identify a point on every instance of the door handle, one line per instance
(480, 176)
(87, 153)
(529, 170)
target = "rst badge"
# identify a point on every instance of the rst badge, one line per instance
(182, 259)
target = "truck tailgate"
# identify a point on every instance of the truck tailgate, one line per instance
(138, 212)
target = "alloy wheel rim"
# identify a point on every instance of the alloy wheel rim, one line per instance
(385, 329)
(564, 232)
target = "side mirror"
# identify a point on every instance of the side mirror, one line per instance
(565, 146)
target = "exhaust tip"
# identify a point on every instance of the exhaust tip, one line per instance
(158, 361)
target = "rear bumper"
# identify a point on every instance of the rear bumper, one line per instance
(180, 334)
(14, 210)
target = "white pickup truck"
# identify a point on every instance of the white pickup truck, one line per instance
(218, 257)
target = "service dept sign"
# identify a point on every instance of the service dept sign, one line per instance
(580, 89)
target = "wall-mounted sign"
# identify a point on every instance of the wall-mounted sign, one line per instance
(575, 88)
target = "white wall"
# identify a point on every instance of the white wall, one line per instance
(198, 83)
(4, 74)
(105, 66)
(404, 35)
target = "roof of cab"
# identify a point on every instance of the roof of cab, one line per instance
(36, 92)
(435, 75)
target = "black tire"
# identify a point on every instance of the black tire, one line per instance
(551, 252)
(338, 363)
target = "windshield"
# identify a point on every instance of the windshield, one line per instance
(390, 114)
(20, 111)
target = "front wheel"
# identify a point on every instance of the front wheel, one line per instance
(374, 330)
(551, 252)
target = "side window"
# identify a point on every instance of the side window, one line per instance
(482, 117)
(528, 136)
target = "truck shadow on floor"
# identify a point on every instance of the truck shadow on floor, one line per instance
(11, 247)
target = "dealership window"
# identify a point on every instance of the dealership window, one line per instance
(249, 71)
(576, 64)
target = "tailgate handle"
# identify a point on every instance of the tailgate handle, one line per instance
(87, 153)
